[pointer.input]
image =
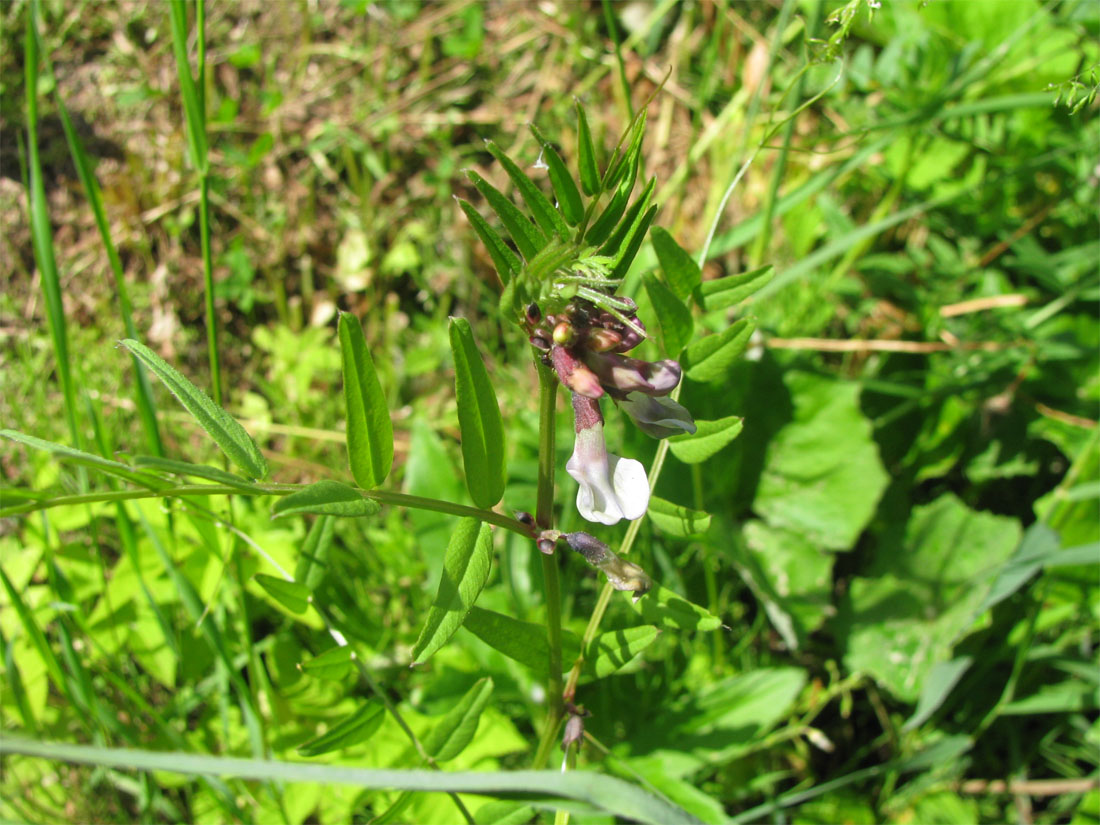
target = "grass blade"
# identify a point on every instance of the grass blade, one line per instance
(609, 794)
(234, 441)
(370, 431)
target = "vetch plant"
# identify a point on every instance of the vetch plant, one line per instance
(562, 259)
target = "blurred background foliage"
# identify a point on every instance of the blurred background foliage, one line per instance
(902, 541)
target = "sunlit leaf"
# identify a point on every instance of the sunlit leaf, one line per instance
(348, 732)
(465, 571)
(709, 437)
(370, 431)
(679, 268)
(708, 359)
(450, 735)
(325, 498)
(291, 595)
(219, 425)
(479, 419)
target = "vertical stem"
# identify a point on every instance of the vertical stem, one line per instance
(544, 517)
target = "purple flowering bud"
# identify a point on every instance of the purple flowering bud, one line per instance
(574, 374)
(593, 550)
(632, 375)
(534, 314)
(631, 338)
(540, 343)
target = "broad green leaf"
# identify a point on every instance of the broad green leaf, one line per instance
(313, 559)
(569, 199)
(674, 520)
(528, 238)
(186, 468)
(465, 571)
(941, 680)
(348, 732)
(504, 259)
(822, 474)
(291, 595)
(332, 665)
(709, 358)
(709, 437)
(478, 418)
(586, 155)
(665, 608)
(524, 642)
(789, 574)
(326, 498)
(546, 216)
(63, 452)
(1039, 544)
(450, 735)
(679, 268)
(370, 431)
(733, 289)
(613, 796)
(220, 425)
(918, 599)
(673, 316)
(613, 650)
(715, 723)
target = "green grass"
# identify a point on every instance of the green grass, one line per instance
(901, 542)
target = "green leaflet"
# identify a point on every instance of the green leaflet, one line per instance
(332, 665)
(186, 468)
(673, 316)
(586, 155)
(504, 259)
(569, 198)
(219, 425)
(666, 608)
(465, 571)
(675, 520)
(546, 216)
(370, 431)
(528, 238)
(679, 268)
(524, 642)
(326, 498)
(451, 734)
(313, 560)
(613, 650)
(709, 437)
(349, 731)
(733, 289)
(708, 358)
(479, 418)
(291, 595)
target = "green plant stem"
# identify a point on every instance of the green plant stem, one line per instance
(382, 496)
(544, 517)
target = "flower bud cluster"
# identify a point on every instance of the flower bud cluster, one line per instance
(585, 346)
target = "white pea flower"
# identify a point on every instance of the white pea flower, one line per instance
(611, 488)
